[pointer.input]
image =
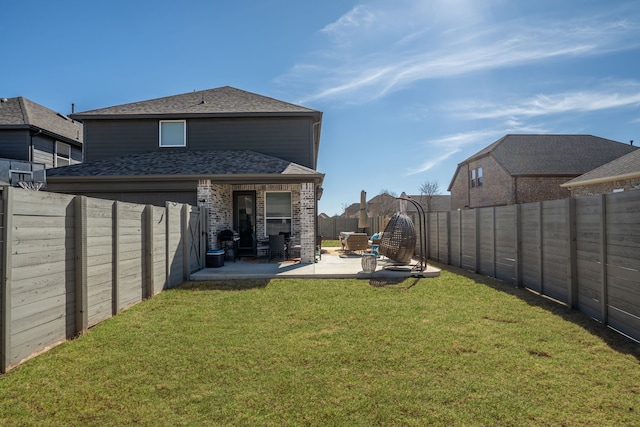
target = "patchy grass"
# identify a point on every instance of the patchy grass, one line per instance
(456, 350)
(331, 244)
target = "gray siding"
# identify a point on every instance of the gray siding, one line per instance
(155, 193)
(43, 151)
(286, 138)
(14, 144)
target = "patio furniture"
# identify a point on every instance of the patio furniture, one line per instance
(277, 246)
(353, 242)
(229, 242)
(262, 248)
(293, 246)
(319, 247)
(374, 243)
(398, 241)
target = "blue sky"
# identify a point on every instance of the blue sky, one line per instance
(408, 88)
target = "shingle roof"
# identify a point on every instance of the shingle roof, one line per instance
(177, 163)
(554, 154)
(551, 154)
(621, 168)
(20, 111)
(220, 101)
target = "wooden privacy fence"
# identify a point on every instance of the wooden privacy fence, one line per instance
(70, 262)
(330, 228)
(583, 252)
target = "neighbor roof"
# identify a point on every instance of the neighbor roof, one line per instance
(176, 164)
(625, 167)
(213, 102)
(19, 112)
(540, 155)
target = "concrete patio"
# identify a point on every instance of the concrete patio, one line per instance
(333, 265)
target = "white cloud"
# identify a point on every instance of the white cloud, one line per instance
(357, 19)
(378, 47)
(625, 94)
(449, 145)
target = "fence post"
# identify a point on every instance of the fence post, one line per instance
(448, 218)
(149, 285)
(460, 238)
(476, 267)
(572, 272)
(438, 237)
(518, 237)
(204, 227)
(494, 241)
(428, 235)
(115, 289)
(540, 247)
(186, 241)
(604, 297)
(81, 298)
(5, 288)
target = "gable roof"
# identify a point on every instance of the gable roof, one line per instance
(230, 165)
(550, 155)
(222, 101)
(20, 112)
(622, 168)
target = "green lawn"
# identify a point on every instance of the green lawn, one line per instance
(455, 350)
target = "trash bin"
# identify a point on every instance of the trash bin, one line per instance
(215, 258)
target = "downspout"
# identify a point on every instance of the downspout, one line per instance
(316, 143)
(31, 135)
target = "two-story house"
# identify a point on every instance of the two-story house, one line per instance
(35, 135)
(528, 168)
(250, 159)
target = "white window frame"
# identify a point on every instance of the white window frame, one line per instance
(266, 218)
(475, 179)
(184, 133)
(60, 157)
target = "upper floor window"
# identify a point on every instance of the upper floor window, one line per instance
(173, 133)
(63, 154)
(476, 177)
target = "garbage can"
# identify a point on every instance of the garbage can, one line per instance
(215, 258)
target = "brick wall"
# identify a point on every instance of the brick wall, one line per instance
(539, 189)
(218, 198)
(496, 189)
(603, 188)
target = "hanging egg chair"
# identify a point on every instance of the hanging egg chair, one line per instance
(398, 241)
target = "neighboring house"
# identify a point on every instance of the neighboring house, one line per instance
(34, 134)
(528, 168)
(622, 174)
(385, 205)
(250, 159)
(433, 203)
